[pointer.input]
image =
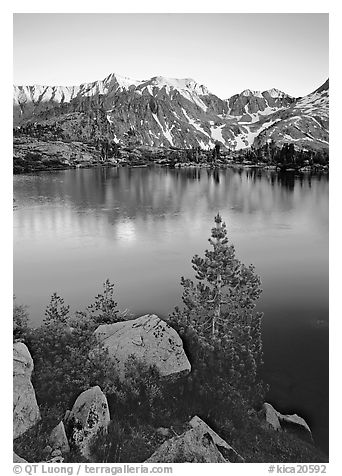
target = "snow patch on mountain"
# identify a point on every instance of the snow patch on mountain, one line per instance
(216, 133)
(203, 145)
(246, 139)
(276, 93)
(192, 122)
(248, 92)
(186, 84)
(194, 98)
(239, 143)
(123, 81)
(166, 132)
(38, 93)
(188, 88)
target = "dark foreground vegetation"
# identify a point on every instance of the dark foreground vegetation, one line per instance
(221, 333)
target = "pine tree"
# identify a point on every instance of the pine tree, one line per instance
(226, 289)
(104, 309)
(56, 311)
(216, 151)
(219, 307)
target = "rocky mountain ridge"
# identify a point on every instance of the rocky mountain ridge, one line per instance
(168, 112)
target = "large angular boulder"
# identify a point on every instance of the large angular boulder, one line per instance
(25, 409)
(150, 340)
(291, 423)
(227, 451)
(193, 446)
(88, 416)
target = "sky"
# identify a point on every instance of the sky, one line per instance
(226, 52)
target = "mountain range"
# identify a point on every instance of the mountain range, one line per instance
(166, 112)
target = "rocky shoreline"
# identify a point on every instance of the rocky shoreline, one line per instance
(151, 341)
(34, 155)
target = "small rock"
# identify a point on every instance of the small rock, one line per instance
(295, 424)
(193, 446)
(56, 459)
(56, 453)
(18, 459)
(291, 423)
(58, 438)
(164, 432)
(226, 450)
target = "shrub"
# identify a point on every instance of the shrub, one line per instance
(67, 356)
(20, 321)
(104, 309)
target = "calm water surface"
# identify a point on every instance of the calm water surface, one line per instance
(141, 227)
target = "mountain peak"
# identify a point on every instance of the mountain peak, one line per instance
(276, 93)
(178, 84)
(249, 92)
(123, 81)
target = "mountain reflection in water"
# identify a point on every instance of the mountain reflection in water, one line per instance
(140, 227)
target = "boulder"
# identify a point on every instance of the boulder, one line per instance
(150, 340)
(58, 439)
(229, 454)
(295, 424)
(88, 416)
(193, 446)
(271, 416)
(18, 459)
(25, 409)
(291, 423)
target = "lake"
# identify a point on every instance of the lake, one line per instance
(140, 227)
